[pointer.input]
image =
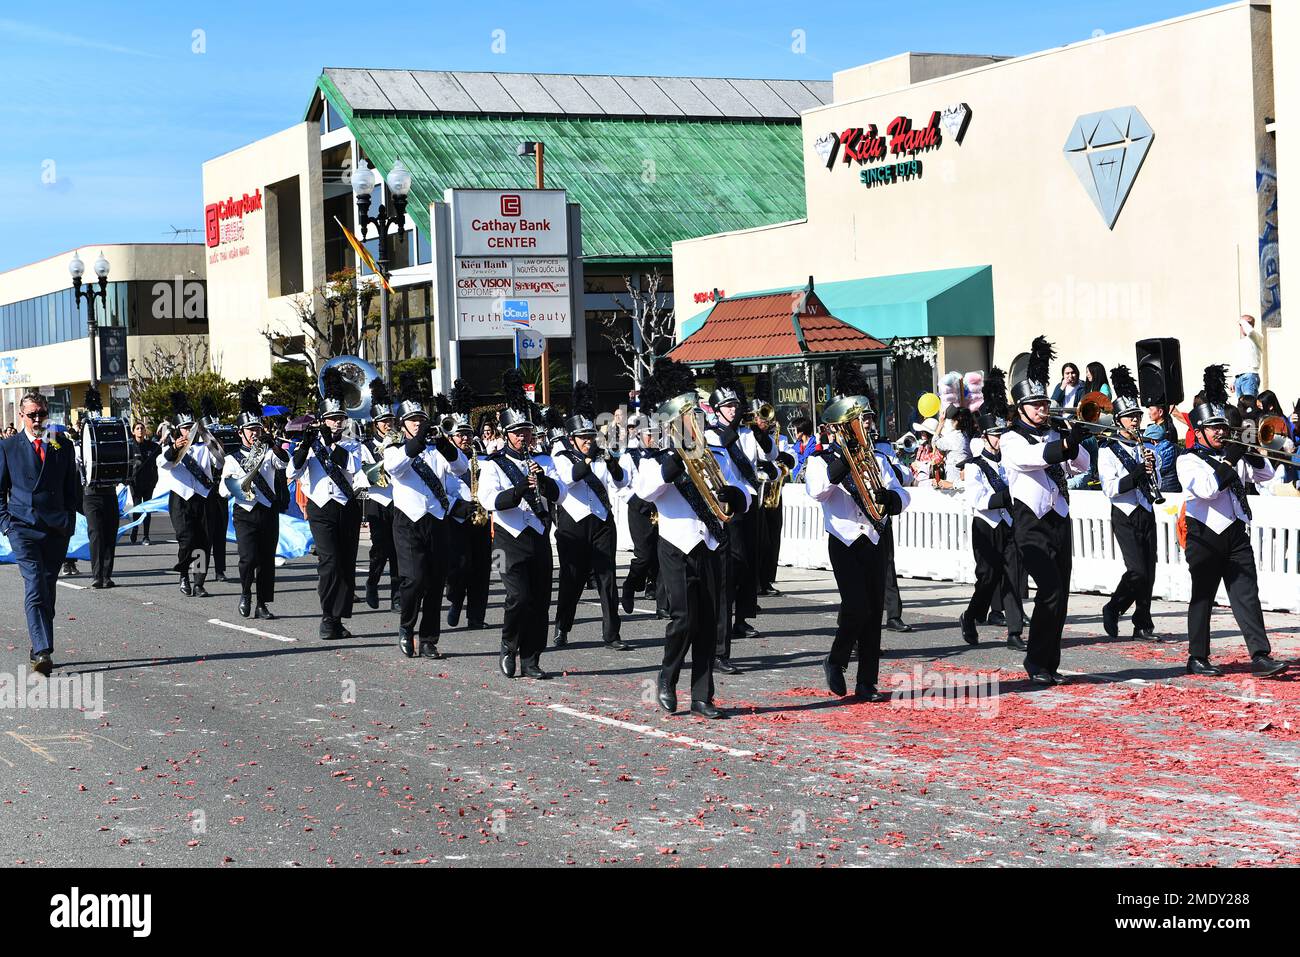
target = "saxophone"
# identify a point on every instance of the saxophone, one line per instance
(480, 516)
(772, 494)
(376, 474)
(844, 418)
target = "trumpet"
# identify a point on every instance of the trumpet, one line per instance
(764, 411)
(906, 443)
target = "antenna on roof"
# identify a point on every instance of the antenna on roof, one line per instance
(176, 233)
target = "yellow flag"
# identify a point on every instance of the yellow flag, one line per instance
(364, 254)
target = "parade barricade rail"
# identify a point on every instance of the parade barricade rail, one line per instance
(932, 540)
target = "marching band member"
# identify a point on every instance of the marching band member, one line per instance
(144, 474)
(772, 448)
(469, 578)
(517, 490)
(1127, 472)
(329, 467)
(584, 531)
(854, 539)
(727, 436)
(1218, 533)
(692, 545)
(257, 512)
(417, 472)
(379, 500)
(642, 520)
(1039, 459)
(185, 473)
(99, 505)
(997, 564)
(218, 511)
(893, 609)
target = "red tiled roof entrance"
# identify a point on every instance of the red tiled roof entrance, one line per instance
(779, 325)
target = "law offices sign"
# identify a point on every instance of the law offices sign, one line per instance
(510, 250)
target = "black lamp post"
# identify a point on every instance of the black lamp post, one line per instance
(78, 269)
(399, 188)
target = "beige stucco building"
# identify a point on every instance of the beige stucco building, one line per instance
(156, 292)
(1157, 218)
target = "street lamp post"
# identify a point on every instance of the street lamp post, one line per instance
(538, 152)
(399, 188)
(78, 269)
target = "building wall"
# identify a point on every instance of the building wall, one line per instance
(1180, 261)
(1284, 341)
(245, 278)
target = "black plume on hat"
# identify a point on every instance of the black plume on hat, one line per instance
(462, 397)
(512, 384)
(552, 417)
(669, 379)
(250, 401)
(1216, 385)
(181, 404)
(1121, 381)
(379, 395)
(94, 402)
(584, 400)
(442, 404)
(995, 394)
(208, 407)
(849, 379)
(725, 377)
(1041, 355)
(334, 385)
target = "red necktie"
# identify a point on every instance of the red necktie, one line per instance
(40, 450)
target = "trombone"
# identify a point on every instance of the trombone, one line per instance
(1269, 428)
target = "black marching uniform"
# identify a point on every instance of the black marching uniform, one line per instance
(469, 577)
(643, 529)
(257, 526)
(144, 476)
(187, 478)
(99, 505)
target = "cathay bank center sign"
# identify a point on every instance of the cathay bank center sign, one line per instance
(510, 250)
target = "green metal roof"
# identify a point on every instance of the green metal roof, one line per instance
(643, 184)
(940, 302)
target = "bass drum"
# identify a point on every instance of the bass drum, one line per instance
(105, 451)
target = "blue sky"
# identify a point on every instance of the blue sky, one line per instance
(108, 119)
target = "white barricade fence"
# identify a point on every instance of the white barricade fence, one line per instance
(932, 540)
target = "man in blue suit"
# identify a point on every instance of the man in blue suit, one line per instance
(38, 501)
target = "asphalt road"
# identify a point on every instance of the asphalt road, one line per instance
(221, 746)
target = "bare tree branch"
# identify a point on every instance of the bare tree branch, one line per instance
(652, 332)
(332, 330)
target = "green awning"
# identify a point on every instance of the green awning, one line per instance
(941, 302)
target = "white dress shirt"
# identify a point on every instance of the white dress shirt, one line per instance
(320, 488)
(1214, 507)
(270, 464)
(678, 523)
(458, 488)
(979, 490)
(580, 500)
(1112, 471)
(410, 493)
(175, 477)
(748, 447)
(841, 516)
(492, 481)
(380, 494)
(1027, 472)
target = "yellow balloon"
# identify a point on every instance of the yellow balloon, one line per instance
(928, 405)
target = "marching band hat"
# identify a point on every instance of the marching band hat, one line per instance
(1214, 410)
(1034, 386)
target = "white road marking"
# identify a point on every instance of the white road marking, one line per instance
(251, 631)
(652, 732)
(70, 585)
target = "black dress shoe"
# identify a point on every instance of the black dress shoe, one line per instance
(406, 641)
(1267, 667)
(667, 696)
(1110, 620)
(476, 625)
(970, 634)
(533, 671)
(707, 709)
(1148, 634)
(43, 664)
(869, 693)
(263, 612)
(744, 630)
(344, 634)
(561, 638)
(200, 591)
(1041, 677)
(245, 605)
(220, 577)
(1017, 643)
(1059, 679)
(773, 592)
(834, 677)
(372, 595)
(725, 666)
(506, 662)
(662, 615)
(429, 649)
(996, 619)
(1202, 666)
(453, 615)
(629, 598)
(109, 583)
(147, 542)
(187, 589)
(395, 604)
(897, 624)
(331, 629)
(618, 644)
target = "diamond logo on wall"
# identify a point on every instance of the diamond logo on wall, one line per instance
(1106, 150)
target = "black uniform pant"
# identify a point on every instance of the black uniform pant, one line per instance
(1136, 535)
(140, 492)
(740, 577)
(470, 574)
(644, 567)
(893, 605)
(190, 520)
(770, 522)
(525, 563)
(218, 518)
(697, 601)
(1045, 546)
(997, 574)
(1227, 557)
(587, 548)
(382, 550)
(336, 530)
(421, 550)
(100, 508)
(257, 534)
(860, 576)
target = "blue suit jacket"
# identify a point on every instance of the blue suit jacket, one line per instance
(37, 499)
